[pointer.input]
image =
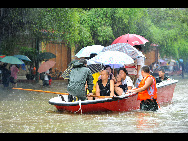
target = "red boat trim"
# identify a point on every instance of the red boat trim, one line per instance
(76, 103)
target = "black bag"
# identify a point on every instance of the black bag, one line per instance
(42, 76)
(70, 98)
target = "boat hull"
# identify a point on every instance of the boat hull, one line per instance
(130, 103)
(164, 94)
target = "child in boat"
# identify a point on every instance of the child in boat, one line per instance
(105, 86)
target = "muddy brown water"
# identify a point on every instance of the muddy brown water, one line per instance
(30, 112)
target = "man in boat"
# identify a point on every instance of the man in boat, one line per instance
(127, 83)
(147, 91)
(78, 77)
(105, 86)
(109, 69)
(162, 76)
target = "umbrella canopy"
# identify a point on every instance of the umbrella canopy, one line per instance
(162, 61)
(2, 56)
(113, 58)
(46, 66)
(12, 60)
(95, 68)
(46, 55)
(22, 57)
(181, 60)
(131, 39)
(86, 51)
(66, 73)
(125, 48)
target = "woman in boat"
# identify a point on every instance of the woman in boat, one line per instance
(126, 82)
(117, 83)
(105, 86)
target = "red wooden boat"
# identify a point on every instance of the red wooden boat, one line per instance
(165, 92)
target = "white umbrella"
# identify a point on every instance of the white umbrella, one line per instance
(86, 51)
(115, 59)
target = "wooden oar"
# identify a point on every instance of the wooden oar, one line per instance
(41, 91)
(58, 92)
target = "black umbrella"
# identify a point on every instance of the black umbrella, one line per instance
(95, 68)
(66, 73)
(46, 55)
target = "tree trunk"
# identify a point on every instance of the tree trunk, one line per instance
(37, 60)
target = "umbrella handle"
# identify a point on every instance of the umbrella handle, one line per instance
(113, 69)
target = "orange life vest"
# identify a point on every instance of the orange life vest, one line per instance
(150, 93)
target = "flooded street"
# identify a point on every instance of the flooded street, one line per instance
(24, 111)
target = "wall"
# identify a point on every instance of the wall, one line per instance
(151, 57)
(62, 52)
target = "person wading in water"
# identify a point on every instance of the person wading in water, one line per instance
(147, 91)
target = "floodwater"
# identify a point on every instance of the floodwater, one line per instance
(28, 112)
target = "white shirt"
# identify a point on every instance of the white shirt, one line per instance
(127, 81)
(45, 75)
(140, 61)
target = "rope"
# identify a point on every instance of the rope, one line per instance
(80, 107)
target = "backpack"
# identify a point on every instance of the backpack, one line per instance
(42, 76)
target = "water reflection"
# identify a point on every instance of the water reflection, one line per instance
(22, 111)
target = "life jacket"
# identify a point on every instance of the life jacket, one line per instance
(150, 93)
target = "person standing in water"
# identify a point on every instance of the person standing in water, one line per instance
(147, 91)
(13, 79)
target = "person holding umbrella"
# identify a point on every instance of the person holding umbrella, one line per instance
(13, 79)
(5, 74)
(46, 79)
(140, 64)
(14, 70)
(44, 68)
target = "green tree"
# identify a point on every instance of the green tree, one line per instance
(171, 31)
(81, 27)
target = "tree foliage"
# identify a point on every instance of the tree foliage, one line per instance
(81, 27)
